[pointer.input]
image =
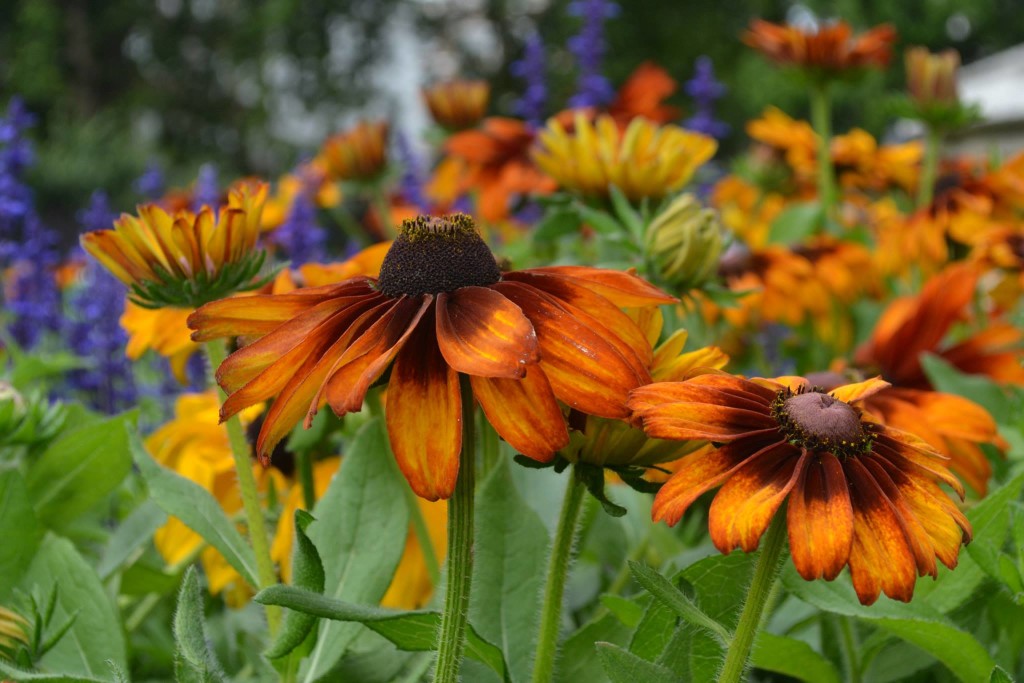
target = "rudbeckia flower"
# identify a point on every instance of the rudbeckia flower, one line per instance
(643, 95)
(185, 259)
(644, 160)
(828, 50)
(164, 330)
(358, 153)
(441, 308)
(457, 105)
(859, 493)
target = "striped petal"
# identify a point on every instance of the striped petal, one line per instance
(424, 416)
(820, 519)
(743, 509)
(524, 412)
(483, 334)
(621, 288)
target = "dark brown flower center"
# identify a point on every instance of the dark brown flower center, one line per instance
(820, 422)
(435, 254)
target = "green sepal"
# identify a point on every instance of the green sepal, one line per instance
(592, 477)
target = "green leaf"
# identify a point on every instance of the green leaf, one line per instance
(999, 675)
(14, 673)
(193, 659)
(19, 528)
(79, 469)
(360, 534)
(307, 573)
(132, 534)
(625, 667)
(792, 657)
(625, 610)
(412, 631)
(796, 223)
(555, 224)
(916, 623)
(663, 590)
(95, 635)
(627, 215)
(576, 661)
(511, 543)
(990, 520)
(600, 221)
(197, 509)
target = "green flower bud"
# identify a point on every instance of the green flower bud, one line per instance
(685, 241)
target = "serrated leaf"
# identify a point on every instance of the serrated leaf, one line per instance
(412, 630)
(793, 658)
(511, 543)
(625, 667)
(360, 535)
(197, 509)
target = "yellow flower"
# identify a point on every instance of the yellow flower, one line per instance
(411, 586)
(162, 329)
(184, 258)
(196, 446)
(644, 160)
(281, 549)
(312, 177)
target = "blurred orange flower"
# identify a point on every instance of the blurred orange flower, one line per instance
(830, 50)
(457, 105)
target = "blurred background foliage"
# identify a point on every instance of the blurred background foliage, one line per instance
(253, 86)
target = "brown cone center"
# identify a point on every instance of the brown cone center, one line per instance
(435, 254)
(818, 421)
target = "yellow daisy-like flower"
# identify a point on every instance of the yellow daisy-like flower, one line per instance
(311, 178)
(644, 160)
(163, 330)
(183, 258)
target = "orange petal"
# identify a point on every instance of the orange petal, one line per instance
(690, 391)
(820, 519)
(892, 446)
(295, 398)
(585, 370)
(854, 392)
(621, 288)
(682, 421)
(424, 416)
(369, 356)
(880, 560)
(524, 412)
(743, 509)
(482, 333)
(261, 314)
(917, 538)
(703, 471)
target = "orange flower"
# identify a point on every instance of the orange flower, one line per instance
(643, 95)
(494, 161)
(860, 493)
(914, 325)
(861, 163)
(357, 154)
(829, 50)
(457, 104)
(440, 308)
(795, 139)
(931, 78)
(312, 178)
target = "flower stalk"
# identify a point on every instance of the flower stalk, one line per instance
(765, 573)
(452, 633)
(821, 119)
(216, 351)
(554, 588)
(929, 167)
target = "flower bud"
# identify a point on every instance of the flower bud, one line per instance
(931, 77)
(457, 105)
(685, 242)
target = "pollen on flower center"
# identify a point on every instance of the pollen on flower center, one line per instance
(819, 422)
(435, 254)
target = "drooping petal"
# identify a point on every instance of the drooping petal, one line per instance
(743, 509)
(524, 412)
(917, 538)
(904, 456)
(880, 560)
(483, 334)
(424, 416)
(703, 471)
(861, 390)
(820, 519)
(585, 370)
(369, 356)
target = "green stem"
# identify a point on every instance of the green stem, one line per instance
(350, 226)
(383, 209)
(850, 649)
(452, 633)
(216, 351)
(757, 597)
(554, 588)
(489, 447)
(929, 168)
(821, 119)
(304, 465)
